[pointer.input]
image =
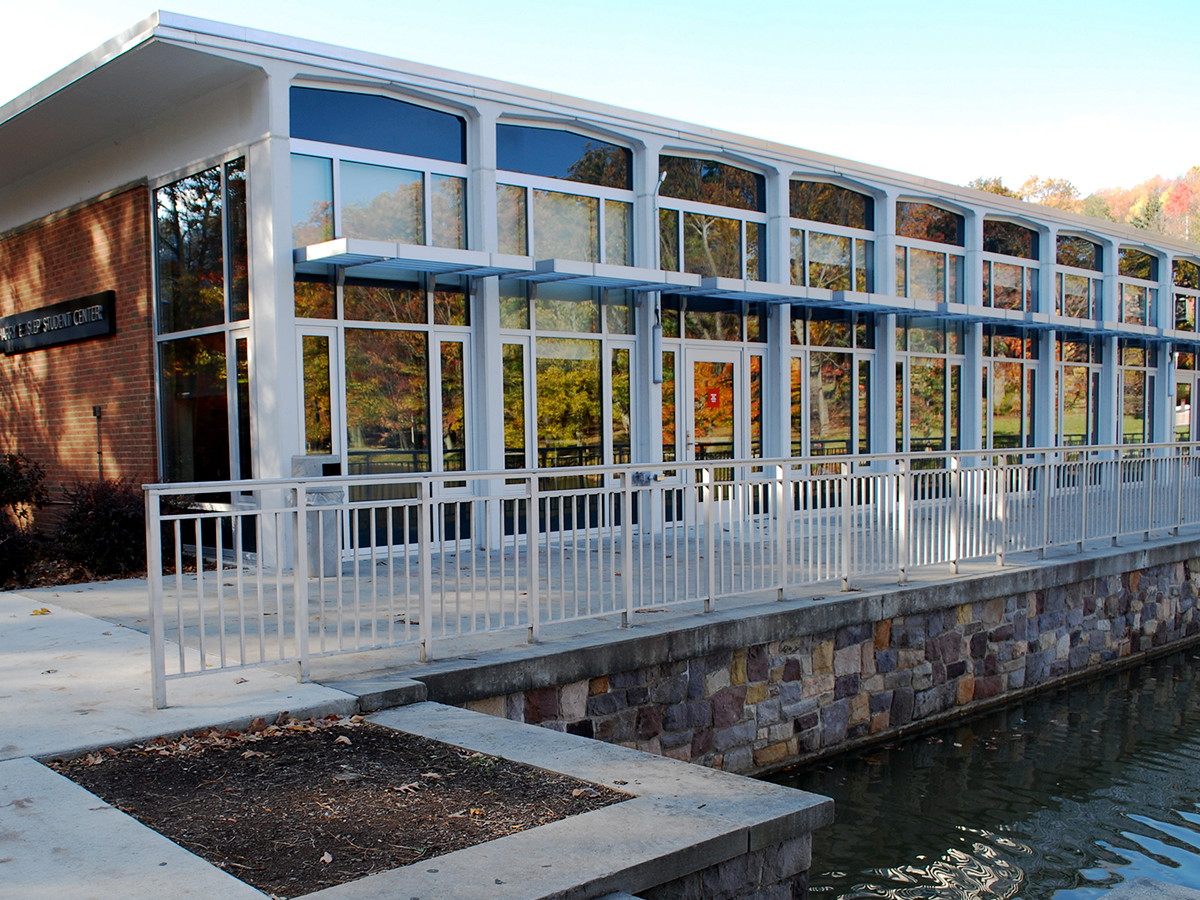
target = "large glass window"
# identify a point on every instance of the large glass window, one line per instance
(563, 155)
(1078, 359)
(568, 402)
(1009, 239)
(201, 247)
(830, 388)
(1079, 253)
(376, 202)
(374, 122)
(1137, 286)
(928, 399)
(712, 220)
(1139, 363)
(929, 272)
(1010, 373)
(563, 196)
(1007, 284)
(1186, 277)
(842, 261)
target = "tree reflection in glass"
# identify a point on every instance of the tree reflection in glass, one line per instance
(513, 363)
(448, 196)
(191, 266)
(512, 219)
(318, 431)
(621, 410)
(1007, 407)
(566, 226)
(1133, 406)
(382, 301)
(927, 404)
(568, 402)
(829, 261)
(312, 200)
(195, 408)
(1075, 405)
(830, 384)
(668, 407)
(713, 415)
(387, 401)
(712, 246)
(454, 410)
(380, 203)
(560, 306)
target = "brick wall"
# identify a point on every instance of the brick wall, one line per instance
(760, 707)
(47, 395)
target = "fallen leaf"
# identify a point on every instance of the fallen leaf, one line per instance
(430, 775)
(50, 671)
(327, 857)
(348, 776)
(584, 792)
(342, 739)
(356, 719)
(106, 632)
(251, 754)
(40, 612)
(476, 812)
(239, 681)
(409, 788)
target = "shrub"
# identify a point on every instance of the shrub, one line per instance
(104, 528)
(21, 485)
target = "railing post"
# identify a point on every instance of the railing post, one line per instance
(781, 522)
(847, 507)
(1120, 490)
(534, 560)
(955, 513)
(1179, 470)
(627, 547)
(158, 660)
(1085, 472)
(1002, 509)
(1148, 481)
(1045, 505)
(706, 477)
(905, 490)
(300, 579)
(424, 566)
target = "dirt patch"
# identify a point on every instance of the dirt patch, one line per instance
(294, 808)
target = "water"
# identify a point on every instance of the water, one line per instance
(1065, 795)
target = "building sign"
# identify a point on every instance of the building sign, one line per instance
(59, 323)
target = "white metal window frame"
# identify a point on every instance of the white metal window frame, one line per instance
(338, 153)
(532, 183)
(1032, 275)
(721, 212)
(808, 226)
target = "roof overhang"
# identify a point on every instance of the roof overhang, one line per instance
(124, 95)
(369, 258)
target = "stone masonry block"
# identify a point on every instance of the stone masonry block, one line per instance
(728, 705)
(572, 703)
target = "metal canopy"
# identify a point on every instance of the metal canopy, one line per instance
(370, 257)
(613, 277)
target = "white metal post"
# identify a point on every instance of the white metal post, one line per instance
(627, 547)
(533, 558)
(424, 566)
(780, 524)
(955, 523)
(905, 488)
(706, 476)
(847, 507)
(1045, 505)
(300, 579)
(158, 661)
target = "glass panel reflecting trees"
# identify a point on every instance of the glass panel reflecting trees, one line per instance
(195, 408)
(387, 401)
(191, 259)
(713, 409)
(318, 426)
(568, 402)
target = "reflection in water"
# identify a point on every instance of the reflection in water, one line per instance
(1066, 795)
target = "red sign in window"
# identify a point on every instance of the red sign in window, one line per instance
(713, 399)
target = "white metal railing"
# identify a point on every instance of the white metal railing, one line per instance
(252, 572)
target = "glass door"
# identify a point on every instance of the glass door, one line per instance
(1185, 392)
(714, 428)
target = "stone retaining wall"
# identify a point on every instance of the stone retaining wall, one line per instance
(837, 677)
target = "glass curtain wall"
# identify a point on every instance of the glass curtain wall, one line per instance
(202, 311)
(929, 361)
(1137, 286)
(832, 360)
(568, 366)
(1185, 274)
(1010, 281)
(1139, 368)
(712, 219)
(927, 265)
(832, 237)
(1078, 287)
(1010, 387)
(563, 196)
(1079, 360)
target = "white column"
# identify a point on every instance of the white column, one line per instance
(1049, 258)
(883, 416)
(1110, 373)
(777, 375)
(276, 382)
(1045, 396)
(971, 425)
(1164, 388)
(487, 434)
(973, 289)
(645, 395)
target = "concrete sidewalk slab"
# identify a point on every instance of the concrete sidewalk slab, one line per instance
(60, 842)
(71, 683)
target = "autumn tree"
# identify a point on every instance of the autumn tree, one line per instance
(993, 184)
(1056, 192)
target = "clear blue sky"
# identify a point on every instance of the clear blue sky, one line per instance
(1102, 93)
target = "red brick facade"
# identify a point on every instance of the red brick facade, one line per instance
(47, 395)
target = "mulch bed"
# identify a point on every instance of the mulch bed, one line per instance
(296, 807)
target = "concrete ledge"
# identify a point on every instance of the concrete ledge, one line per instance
(683, 819)
(1142, 888)
(680, 636)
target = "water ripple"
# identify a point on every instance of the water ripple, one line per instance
(1065, 795)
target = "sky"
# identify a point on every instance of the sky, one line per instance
(1099, 93)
